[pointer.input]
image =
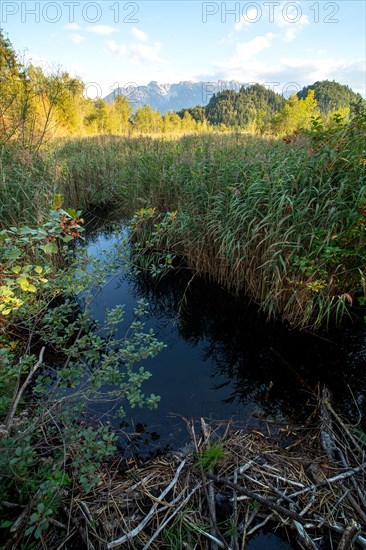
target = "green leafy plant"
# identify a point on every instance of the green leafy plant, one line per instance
(47, 447)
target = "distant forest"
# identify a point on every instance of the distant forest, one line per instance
(36, 107)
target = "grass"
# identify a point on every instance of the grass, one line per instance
(281, 220)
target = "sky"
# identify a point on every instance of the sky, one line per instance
(283, 45)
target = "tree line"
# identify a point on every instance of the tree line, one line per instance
(36, 106)
(258, 109)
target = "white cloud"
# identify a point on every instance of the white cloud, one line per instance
(142, 53)
(72, 27)
(140, 35)
(103, 30)
(247, 50)
(291, 19)
(291, 73)
(119, 49)
(251, 16)
(287, 16)
(77, 38)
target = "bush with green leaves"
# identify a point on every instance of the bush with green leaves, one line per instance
(55, 362)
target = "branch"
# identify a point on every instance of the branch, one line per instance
(145, 521)
(10, 417)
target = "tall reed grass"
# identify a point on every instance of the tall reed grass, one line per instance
(281, 220)
(28, 182)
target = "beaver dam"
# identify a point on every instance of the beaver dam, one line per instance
(225, 486)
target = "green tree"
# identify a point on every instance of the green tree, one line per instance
(331, 96)
(11, 91)
(296, 114)
(252, 107)
(147, 121)
(172, 122)
(123, 112)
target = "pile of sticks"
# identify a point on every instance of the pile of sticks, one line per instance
(310, 484)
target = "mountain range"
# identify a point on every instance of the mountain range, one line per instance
(172, 97)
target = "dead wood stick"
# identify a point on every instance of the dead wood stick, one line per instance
(333, 479)
(259, 525)
(353, 481)
(18, 396)
(203, 532)
(145, 521)
(309, 504)
(8, 504)
(272, 505)
(343, 425)
(290, 481)
(340, 529)
(67, 538)
(165, 523)
(305, 539)
(234, 541)
(80, 529)
(144, 480)
(355, 505)
(210, 493)
(349, 535)
(268, 485)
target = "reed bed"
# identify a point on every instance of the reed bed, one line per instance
(280, 220)
(224, 486)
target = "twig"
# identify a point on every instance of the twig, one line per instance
(210, 493)
(145, 521)
(272, 505)
(259, 525)
(350, 534)
(355, 505)
(165, 523)
(83, 533)
(306, 541)
(234, 542)
(338, 477)
(354, 483)
(10, 417)
(208, 535)
(309, 504)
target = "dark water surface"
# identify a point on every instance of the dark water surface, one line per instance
(223, 360)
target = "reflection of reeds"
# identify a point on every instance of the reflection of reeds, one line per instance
(313, 487)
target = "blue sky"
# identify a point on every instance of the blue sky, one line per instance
(282, 44)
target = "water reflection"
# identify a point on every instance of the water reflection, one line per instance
(263, 362)
(224, 360)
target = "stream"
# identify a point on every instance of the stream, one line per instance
(222, 359)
